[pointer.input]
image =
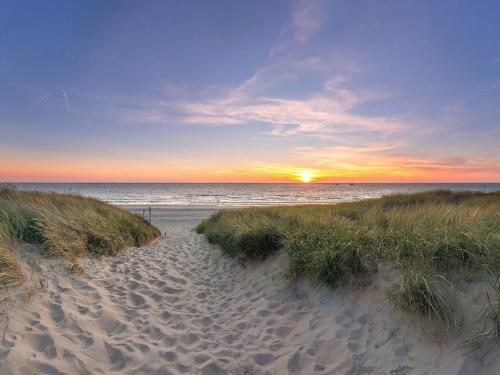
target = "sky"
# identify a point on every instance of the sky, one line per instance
(250, 91)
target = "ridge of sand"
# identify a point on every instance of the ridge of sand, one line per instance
(178, 306)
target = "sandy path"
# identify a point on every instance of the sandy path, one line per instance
(179, 307)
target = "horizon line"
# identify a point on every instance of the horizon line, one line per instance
(250, 182)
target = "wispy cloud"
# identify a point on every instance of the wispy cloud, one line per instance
(41, 99)
(66, 100)
(318, 113)
(344, 153)
(276, 72)
(331, 109)
(307, 19)
(54, 95)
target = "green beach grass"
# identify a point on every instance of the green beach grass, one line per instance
(67, 226)
(429, 237)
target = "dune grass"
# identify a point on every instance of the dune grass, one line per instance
(10, 271)
(420, 296)
(64, 225)
(426, 235)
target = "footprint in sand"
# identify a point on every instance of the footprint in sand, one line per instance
(43, 343)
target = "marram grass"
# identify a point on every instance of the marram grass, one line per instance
(420, 296)
(10, 271)
(64, 225)
(432, 233)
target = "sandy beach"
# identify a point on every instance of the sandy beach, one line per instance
(179, 306)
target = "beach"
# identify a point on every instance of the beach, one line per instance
(180, 306)
(297, 187)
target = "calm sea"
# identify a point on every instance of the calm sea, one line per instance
(221, 195)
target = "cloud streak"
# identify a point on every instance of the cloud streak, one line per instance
(317, 114)
(66, 100)
(329, 110)
(307, 19)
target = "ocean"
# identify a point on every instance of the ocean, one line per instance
(234, 195)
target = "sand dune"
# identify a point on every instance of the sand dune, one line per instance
(178, 306)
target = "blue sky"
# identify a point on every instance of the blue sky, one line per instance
(249, 91)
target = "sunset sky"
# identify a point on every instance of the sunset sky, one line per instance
(254, 91)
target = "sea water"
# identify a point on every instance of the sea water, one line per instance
(230, 195)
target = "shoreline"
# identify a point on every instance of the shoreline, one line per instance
(135, 207)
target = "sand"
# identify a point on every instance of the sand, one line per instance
(179, 306)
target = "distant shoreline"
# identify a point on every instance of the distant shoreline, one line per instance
(240, 195)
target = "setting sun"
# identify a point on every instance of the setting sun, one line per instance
(306, 176)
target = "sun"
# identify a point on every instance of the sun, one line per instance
(306, 176)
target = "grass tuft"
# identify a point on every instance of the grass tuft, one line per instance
(7, 190)
(420, 297)
(10, 270)
(76, 268)
(332, 254)
(252, 236)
